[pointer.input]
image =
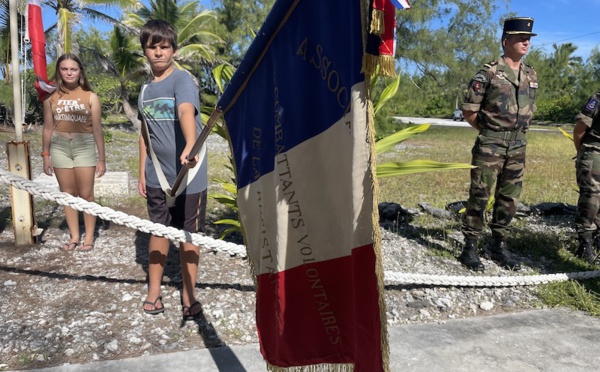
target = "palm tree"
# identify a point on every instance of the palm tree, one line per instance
(563, 65)
(4, 40)
(193, 39)
(70, 12)
(126, 62)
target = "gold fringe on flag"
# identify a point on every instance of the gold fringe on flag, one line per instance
(388, 66)
(314, 368)
(377, 24)
(385, 344)
(369, 64)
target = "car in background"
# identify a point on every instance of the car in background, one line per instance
(458, 115)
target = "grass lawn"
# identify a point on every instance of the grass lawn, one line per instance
(549, 173)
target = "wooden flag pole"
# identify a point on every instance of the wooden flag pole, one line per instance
(212, 120)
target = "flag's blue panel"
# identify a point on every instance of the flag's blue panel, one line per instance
(300, 87)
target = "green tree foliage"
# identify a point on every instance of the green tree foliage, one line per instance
(238, 22)
(443, 43)
(122, 58)
(440, 46)
(195, 40)
(4, 40)
(71, 12)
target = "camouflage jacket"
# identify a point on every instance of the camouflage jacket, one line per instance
(502, 103)
(589, 116)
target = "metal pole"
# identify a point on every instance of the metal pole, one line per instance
(14, 51)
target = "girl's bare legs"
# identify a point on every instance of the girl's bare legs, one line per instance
(85, 177)
(67, 183)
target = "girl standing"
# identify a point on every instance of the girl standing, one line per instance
(72, 143)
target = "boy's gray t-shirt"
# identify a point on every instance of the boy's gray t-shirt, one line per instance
(158, 104)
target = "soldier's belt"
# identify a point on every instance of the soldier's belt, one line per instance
(505, 135)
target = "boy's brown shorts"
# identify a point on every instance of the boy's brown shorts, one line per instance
(189, 212)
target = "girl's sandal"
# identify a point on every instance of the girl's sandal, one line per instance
(70, 246)
(85, 247)
(156, 310)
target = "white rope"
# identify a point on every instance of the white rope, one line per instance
(216, 245)
(121, 218)
(485, 281)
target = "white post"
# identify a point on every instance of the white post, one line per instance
(19, 161)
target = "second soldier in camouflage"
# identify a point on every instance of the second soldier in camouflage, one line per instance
(586, 136)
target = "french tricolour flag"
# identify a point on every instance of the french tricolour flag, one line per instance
(296, 112)
(400, 4)
(35, 34)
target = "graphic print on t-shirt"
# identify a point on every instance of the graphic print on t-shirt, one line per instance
(160, 109)
(70, 110)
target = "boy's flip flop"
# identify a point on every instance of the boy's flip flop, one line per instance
(187, 311)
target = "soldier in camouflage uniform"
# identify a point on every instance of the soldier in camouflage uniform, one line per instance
(586, 136)
(500, 103)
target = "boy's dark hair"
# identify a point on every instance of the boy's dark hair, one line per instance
(156, 31)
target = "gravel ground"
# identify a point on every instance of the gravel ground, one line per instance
(76, 307)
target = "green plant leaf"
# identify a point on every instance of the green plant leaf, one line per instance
(222, 74)
(389, 92)
(229, 231)
(416, 166)
(228, 186)
(228, 221)
(392, 140)
(568, 135)
(226, 200)
(490, 203)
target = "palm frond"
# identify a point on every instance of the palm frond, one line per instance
(416, 166)
(392, 140)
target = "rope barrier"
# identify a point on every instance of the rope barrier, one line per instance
(121, 218)
(485, 281)
(233, 249)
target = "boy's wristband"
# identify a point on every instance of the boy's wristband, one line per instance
(44, 154)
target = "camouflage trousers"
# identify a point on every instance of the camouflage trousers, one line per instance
(588, 180)
(500, 162)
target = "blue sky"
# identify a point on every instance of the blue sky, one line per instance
(556, 21)
(561, 21)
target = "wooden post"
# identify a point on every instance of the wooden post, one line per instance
(21, 201)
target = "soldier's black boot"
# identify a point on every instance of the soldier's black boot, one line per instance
(585, 250)
(596, 242)
(502, 256)
(469, 256)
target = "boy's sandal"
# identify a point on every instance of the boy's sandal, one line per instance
(187, 314)
(156, 310)
(85, 247)
(70, 246)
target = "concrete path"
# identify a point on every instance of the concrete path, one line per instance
(432, 121)
(543, 340)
